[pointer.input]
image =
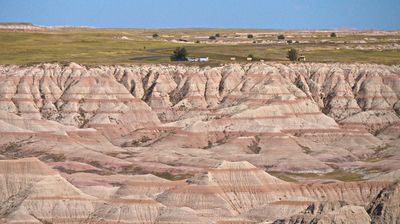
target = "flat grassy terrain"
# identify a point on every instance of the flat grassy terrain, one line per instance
(127, 46)
(337, 174)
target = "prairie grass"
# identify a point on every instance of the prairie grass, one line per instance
(119, 46)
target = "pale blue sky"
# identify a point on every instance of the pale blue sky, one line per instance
(312, 14)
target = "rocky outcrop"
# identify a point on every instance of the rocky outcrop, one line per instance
(385, 207)
(335, 212)
(112, 131)
(33, 193)
(230, 192)
(296, 118)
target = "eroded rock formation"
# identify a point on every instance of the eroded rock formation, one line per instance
(231, 192)
(107, 132)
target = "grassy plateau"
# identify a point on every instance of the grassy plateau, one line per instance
(127, 46)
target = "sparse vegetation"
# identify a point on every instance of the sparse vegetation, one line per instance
(376, 170)
(337, 174)
(169, 176)
(209, 145)
(132, 170)
(343, 175)
(254, 147)
(179, 54)
(12, 146)
(281, 37)
(282, 176)
(250, 36)
(155, 35)
(212, 38)
(292, 54)
(333, 35)
(136, 142)
(103, 46)
(217, 35)
(54, 158)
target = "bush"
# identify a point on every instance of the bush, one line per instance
(217, 35)
(281, 37)
(290, 41)
(212, 38)
(155, 35)
(250, 36)
(292, 54)
(250, 56)
(179, 54)
(333, 35)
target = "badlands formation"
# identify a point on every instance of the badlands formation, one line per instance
(249, 143)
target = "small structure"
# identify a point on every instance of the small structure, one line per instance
(301, 58)
(198, 59)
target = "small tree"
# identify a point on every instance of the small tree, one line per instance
(250, 36)
(212, 38)
(155, 35)
(179, 54)
(292, 54)
(281, 37)
(333, 35)
(217, 35)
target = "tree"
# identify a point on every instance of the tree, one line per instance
(212, 38)
(155, 35)
(250, 36)
(292, 54)
(333, 35)
(281, 37)
(179, 54)
(217, 35)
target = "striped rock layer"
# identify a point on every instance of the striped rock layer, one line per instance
(109, 131)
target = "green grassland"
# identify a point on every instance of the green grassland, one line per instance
(105, 46)
(337, 174)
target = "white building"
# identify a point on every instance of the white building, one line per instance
(198, 59)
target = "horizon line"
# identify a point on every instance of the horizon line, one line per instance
(200, 27)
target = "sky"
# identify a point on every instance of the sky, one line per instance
(277, 14)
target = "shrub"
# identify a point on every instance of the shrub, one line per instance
(292, 54)
(217, 35)
(250, 36)
(281, 37)
(250, 56)
(179, 54)
(155, 35)
(212, 38)
(333, 35)
(254, 147)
